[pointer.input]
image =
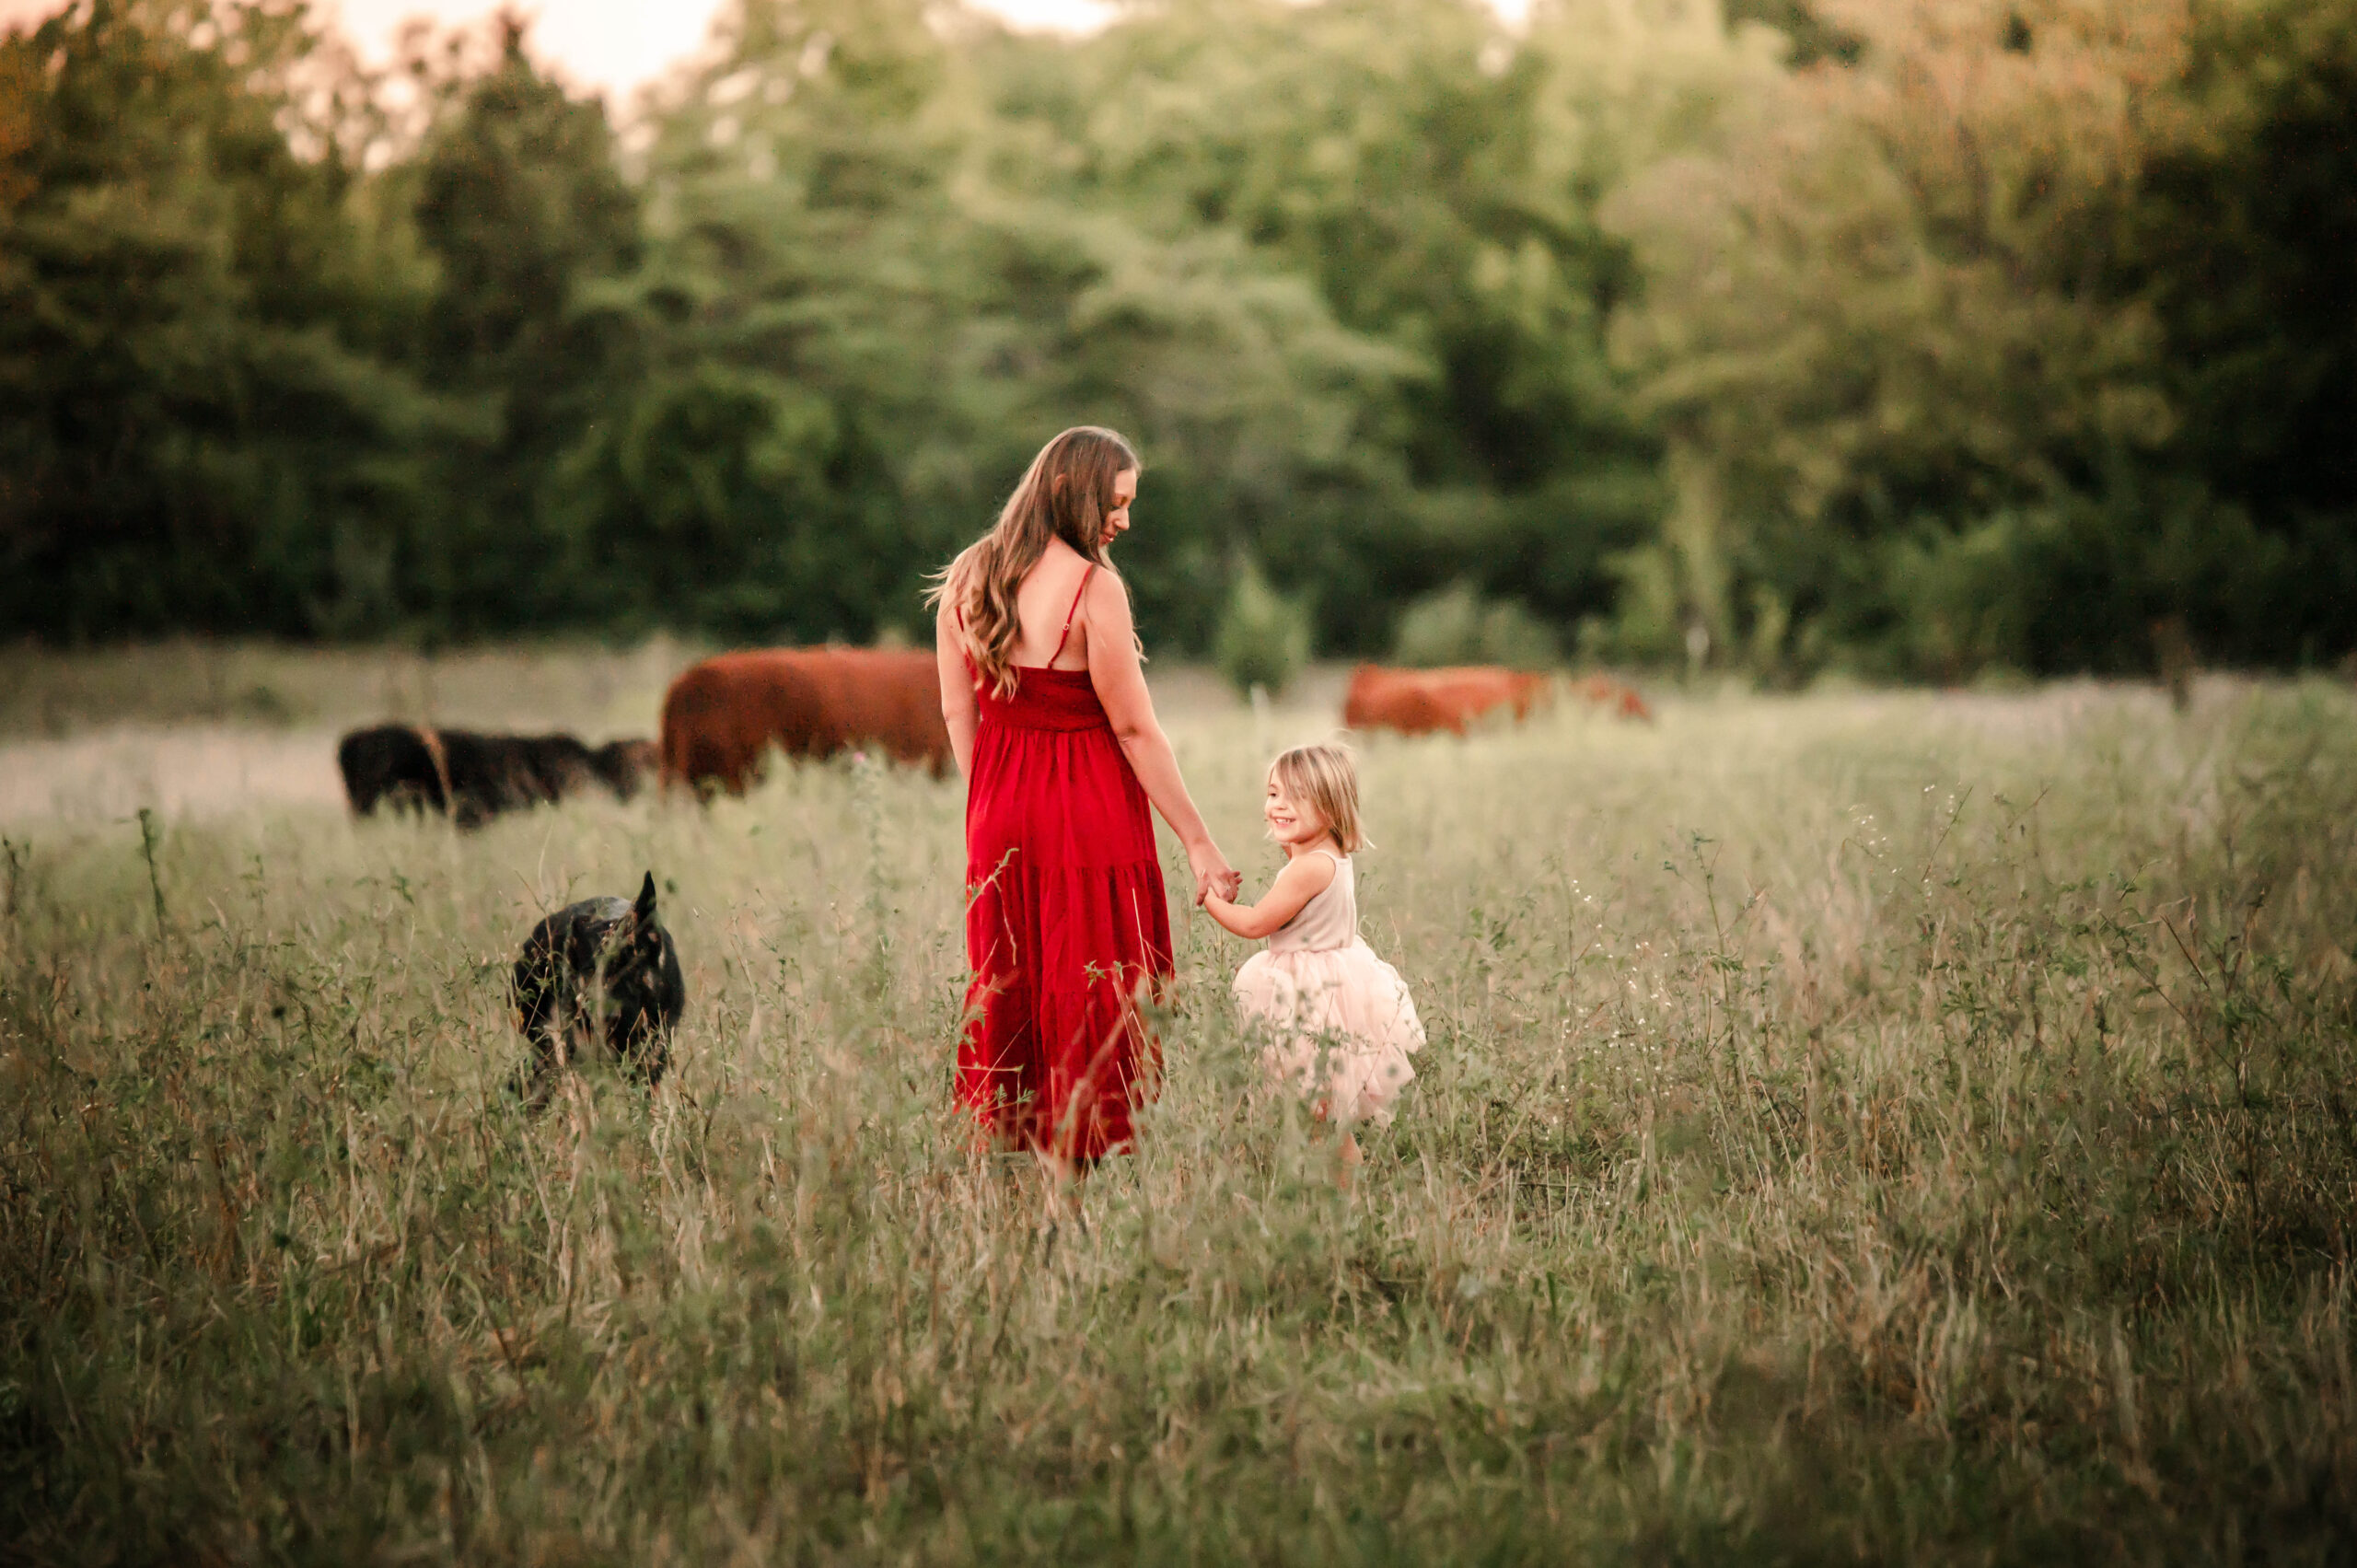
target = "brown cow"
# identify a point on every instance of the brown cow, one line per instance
(721, 716)
(1418, 701)
(1616, 697)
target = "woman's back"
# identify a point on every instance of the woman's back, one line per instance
(1046, 605)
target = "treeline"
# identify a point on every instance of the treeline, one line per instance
(1912, 336)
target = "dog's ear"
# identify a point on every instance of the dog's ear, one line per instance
(644, 908)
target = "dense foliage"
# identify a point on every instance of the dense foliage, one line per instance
(1919, 338)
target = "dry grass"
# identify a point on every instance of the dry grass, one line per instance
(1872, 1126)
(257, 687)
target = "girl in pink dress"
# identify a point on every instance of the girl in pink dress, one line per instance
(1342, 1025)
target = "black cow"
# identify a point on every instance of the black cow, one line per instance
(626, 765)
(471, 777)
(599, 979)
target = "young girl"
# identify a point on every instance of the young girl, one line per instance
(1343, 1021)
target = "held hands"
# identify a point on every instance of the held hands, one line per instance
(1213, 873)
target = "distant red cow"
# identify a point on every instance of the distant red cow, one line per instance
(721, 716)
(1616, 697)
(1418, 701)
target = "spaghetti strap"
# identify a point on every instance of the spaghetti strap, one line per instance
(1069, 614)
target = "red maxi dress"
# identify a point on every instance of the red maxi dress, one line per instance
(1067, 929)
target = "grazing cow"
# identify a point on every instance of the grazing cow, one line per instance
(1418, 701)
(721, 716)
(1616, 697)
(625, 766)
(599, 979)
(472, 778)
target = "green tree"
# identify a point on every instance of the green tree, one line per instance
(520, 205)
(773, 415)
(1872, 324)
(1395, 153)
(1263, 636)
(2244, 242)
(193, 431)
(860, 314)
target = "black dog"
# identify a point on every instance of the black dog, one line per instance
(599, 979)
(471, 777)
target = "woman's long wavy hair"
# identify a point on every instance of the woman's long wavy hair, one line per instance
(1065, 493)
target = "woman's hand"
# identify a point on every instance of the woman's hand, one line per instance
(1213, 873)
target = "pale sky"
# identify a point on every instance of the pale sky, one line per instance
(619, 45)
(616, 45)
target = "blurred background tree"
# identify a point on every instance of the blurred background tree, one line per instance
(1936, 346)
(1263, 637)
(203, 423)
(520, 207)
(1915, 337)
(1457, 625)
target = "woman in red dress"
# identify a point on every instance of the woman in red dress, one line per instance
(1067, 928)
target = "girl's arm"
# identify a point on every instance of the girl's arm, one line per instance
(1113, 670)
(1304, 877)
(959, 708)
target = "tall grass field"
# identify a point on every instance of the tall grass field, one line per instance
(1859, 1126)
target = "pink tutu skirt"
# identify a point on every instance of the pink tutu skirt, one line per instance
(1341, 1025)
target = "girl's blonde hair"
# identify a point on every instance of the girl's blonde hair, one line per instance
(1065, 493)
(1324, 779)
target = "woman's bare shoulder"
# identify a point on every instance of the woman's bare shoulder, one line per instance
(1108, 591)
(1059, 567)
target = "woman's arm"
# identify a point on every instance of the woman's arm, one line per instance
(1304, 877)
(1114, 671)
(960, 709)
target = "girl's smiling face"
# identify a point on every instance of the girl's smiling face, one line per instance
(1291, 823)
